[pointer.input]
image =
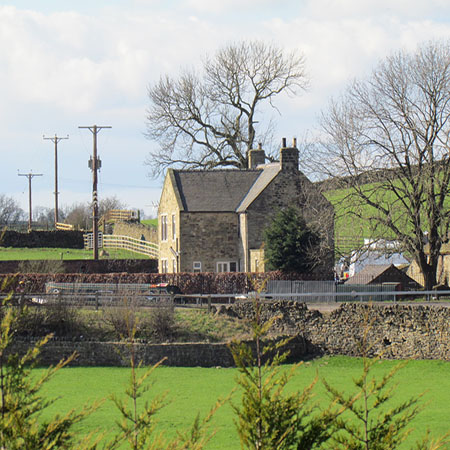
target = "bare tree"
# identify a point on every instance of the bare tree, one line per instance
(213, 119)
(389, 147)
(80, 214)
(10, 211)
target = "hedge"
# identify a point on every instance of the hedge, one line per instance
(189, 283)
(48, 239)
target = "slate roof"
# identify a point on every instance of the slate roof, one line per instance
(380, 273)
(214, 190)
(368, 274)
(269, 172)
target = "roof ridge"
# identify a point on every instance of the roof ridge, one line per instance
(217, 170)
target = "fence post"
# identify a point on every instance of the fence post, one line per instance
(96, 301)
(209, 303)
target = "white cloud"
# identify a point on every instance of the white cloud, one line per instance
(75, 67)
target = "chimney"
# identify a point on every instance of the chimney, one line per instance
(289, 156)
(256, 157)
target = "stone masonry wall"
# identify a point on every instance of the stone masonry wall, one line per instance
(394, 331)
(117, 354)
(290, 189)
(209, 238)
(169, 205)
(136, 231)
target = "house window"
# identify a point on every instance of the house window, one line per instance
(163, 228)
(226, 266)
(164, 266)
(197, 266)
(174, 230)
(174, 265)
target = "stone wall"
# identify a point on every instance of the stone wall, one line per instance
(118, 354)
(395, 331)
(208, 238)
(170, 206)
(293, 189)
(136, 231)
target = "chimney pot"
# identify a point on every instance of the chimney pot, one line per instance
(294, 142)
(283, 142)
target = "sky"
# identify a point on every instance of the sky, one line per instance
(71, 63)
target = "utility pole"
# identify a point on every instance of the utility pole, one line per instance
(94, 165)
(30, 177)
(55, 140)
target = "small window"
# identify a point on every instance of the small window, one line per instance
(163, 228)
(197, 266)
(164, 266)
(174, 230)
(226, 266)
(174, 265)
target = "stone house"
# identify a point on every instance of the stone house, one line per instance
(213, 220)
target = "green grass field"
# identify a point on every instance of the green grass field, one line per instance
(28, 254)
(195, 390)
(151, 222)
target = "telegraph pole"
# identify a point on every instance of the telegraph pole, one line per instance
(55, 140)
(30, 177)
(94, 165)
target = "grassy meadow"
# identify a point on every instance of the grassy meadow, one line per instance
(194, 390)
(30, 254)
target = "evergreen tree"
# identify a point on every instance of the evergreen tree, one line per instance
(21, 401)
(269, 417)
(289, 243)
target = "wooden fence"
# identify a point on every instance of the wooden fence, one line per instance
(64, 226)
(134, 245)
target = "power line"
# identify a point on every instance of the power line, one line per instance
(30, 176)
(55, 140)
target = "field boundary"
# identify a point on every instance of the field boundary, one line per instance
(124, 242)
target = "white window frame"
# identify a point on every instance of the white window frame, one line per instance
(163, 227)
(174, 265)
(197, 266)
(164, 265)
(174, 229)
(221, 265)
(225, 265)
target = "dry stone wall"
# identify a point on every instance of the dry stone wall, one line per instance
(117, 354)
(394, 331)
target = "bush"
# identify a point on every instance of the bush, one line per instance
(42, 266)
(162, 323)
(49, 239)
(58, 319)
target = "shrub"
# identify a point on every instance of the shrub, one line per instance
(269, 418)
(162, 323)
(21, 403)
(58, 319)
(42, 266)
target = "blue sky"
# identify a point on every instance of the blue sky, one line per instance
(65, 64)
